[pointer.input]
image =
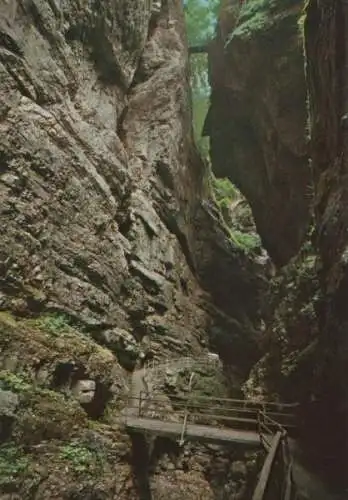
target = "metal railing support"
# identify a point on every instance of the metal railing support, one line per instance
(140, 401)
(184, 426)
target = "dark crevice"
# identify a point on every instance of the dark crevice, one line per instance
(8, 41)
(125, 225)
(35, 305)
(164, 172)
(140, 466)
(120, 121)
(163, 446)
(184, 286)
(109, 70)
(5, 159)
(148, 284)
(77, 32)
(173, 227)
(63, 375)
(153, 23)
(6, 426)
(87, 275)
(100, 50)
(67, 375)
(123, 216)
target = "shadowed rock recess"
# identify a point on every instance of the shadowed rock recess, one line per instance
(107, 247)
(278, 71)
(257, 119)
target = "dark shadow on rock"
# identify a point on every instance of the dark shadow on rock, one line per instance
(140, 466)
(6, 425)
(161, 446)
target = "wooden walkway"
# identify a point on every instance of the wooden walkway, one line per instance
(207, 419)
(193, 432)
(192, 417)
(221, 421)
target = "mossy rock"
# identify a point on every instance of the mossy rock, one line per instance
(46, 415)
(50, 340)
(14, 464)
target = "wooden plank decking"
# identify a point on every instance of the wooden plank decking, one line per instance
(193, 432)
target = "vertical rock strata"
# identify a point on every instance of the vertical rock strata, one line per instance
(100, 182)
(327, 60)
(107, 247)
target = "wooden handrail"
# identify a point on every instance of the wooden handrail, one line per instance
(261, 419)
(191, 415)
(261, 486)
(270, 421)
(279, 442)
(205, 413)
(246, 403)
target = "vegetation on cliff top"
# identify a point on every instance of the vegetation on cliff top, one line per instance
(201, 19)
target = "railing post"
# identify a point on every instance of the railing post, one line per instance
(258, 428)
(184, 425)
(140, 401)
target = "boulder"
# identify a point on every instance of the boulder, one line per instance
(84, 391)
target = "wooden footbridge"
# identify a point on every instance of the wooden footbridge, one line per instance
(209, 419)
(217, 420)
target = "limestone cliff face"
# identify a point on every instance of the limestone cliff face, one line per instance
(257, 118)
(106, 240)
(306, 339)
(100, 182)
(326, 51)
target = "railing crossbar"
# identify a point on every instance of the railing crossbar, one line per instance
(247, 406)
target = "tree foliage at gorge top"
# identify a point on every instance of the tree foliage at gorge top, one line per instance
(200, 18)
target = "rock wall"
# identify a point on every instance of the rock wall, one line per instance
(326, 51)
(305, 339)
(260, 124)
(257, 118)
(101, 186)
(109, 247)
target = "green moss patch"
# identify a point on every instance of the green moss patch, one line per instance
(261, 16)
(46, 415)
(14, 463)
(49, 340)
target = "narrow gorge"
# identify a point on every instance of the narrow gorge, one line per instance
(118, 249)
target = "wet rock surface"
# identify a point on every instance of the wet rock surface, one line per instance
(100, 181)
(329, 150)
(257, 118)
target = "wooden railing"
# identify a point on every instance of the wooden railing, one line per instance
(275, 480)
(264, 418)
(271, 421)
